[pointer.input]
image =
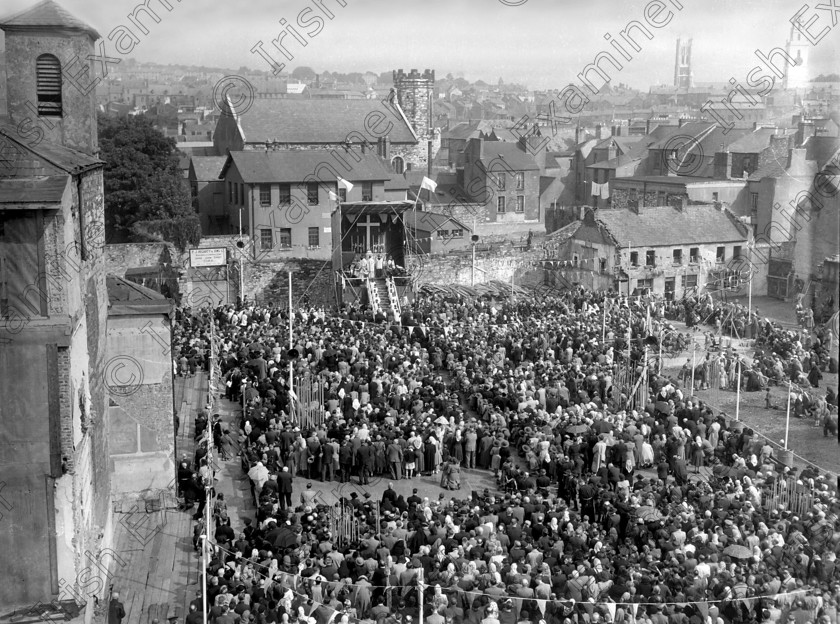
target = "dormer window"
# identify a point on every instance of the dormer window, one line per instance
(48, 85)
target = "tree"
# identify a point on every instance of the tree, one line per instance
(303, 73)
(145, 195)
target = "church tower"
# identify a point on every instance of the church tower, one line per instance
(50, 80)
(415, 95)
(683, 76)
(797, 46)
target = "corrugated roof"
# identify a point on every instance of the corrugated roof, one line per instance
(40, 190)
(515, 157)
(257, 166)
(207, 168)
(667, 226)
(290, 120)
(46, 14)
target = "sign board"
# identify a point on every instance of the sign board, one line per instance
(208, 257)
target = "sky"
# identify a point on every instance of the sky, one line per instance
(541, 43)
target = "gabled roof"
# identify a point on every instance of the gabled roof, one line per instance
(291, 120)
(207, 168)
(664, 226)
(510, 153)
(258, 166)
(46, 14)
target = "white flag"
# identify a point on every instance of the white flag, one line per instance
(428, 184)
(333, 196)
(345, 184)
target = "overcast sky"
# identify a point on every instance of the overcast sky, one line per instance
(542, 43)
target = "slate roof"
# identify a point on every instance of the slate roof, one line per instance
(257, 166)
(753, 142)
(665, 226)
(49, 14)
(290, 120)
(207, 168)
(516, 158)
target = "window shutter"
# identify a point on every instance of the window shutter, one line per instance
(49, 85)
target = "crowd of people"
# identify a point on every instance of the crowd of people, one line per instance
(598, 515)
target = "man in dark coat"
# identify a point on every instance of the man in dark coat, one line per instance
(284, 483)
(116, 611)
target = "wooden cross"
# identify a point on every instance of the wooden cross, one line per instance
(367, 223)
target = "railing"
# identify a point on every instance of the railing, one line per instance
(393, 296)
(373, 296)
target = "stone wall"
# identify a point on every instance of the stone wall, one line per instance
(500, 263)
(124, 256)
(311, 279)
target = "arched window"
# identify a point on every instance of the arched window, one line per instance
(48, 85)
(399, 164)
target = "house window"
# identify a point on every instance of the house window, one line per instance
(367, 191)
(520, 181)
(399, 164)
(500, 204)
(230, 192)
(500, 181)
(443, 233)
(520, 203)
(242, 194)
(736, 251)
(715, 197)
(265, 194)
(644, 283)
(720, 255)
(754, 202)
(690, 281)
(285, 194)
(266, 239)
(694, 255)
(650, 258)
(312, 193)
(285, 238)
(48, 85)
(678, 256)
(342, 194)
(602, 265)
(575, 260)
(235, 198)
(457, 233)
(314, 237)
(634, 258)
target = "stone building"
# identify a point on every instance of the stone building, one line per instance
(397, 127)
(53, 312)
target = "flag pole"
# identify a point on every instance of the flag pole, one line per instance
(738, 388)
(787, 417)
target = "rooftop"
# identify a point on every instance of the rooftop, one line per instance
(666, 226)
(290, 120)
(47, 14)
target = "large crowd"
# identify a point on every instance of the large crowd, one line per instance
(600, 514)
